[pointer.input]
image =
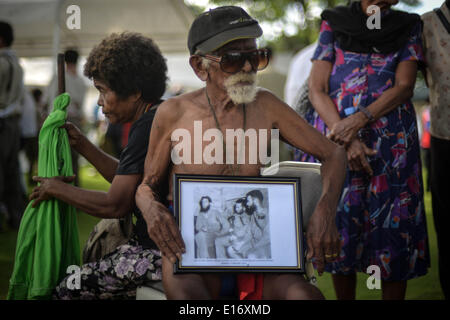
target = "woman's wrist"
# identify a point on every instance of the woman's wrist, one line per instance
(366, 114)
(82, 145)
(362, 119)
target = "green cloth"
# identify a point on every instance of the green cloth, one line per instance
(47, 242)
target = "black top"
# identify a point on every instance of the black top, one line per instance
(132, 161)
(349, 24)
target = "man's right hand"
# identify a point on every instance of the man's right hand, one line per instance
(163, 230)
(75, 135)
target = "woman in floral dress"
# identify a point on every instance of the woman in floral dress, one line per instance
(360, 86)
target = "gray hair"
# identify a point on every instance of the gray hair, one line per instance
(205, 62)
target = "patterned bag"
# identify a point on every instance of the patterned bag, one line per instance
(107, 235)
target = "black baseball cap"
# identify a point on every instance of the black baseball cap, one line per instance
(214, 28)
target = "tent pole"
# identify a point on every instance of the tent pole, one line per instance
(61, 74)
(56, 34)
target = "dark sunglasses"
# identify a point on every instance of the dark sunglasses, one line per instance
(232, 62)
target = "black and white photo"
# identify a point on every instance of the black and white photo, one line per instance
(239, 222)
(232, 223)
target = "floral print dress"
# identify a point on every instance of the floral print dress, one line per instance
(381, 218)
(116, 276)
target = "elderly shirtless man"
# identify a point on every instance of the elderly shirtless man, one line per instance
(224, 55)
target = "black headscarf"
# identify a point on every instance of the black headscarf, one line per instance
(349, 24)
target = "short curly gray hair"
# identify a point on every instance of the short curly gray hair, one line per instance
(129, 63)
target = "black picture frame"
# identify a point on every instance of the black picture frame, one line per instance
(266, 236)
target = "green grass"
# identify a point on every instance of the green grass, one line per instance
(422, 288)
(426, 287)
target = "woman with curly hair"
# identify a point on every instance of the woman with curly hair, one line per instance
(130, 74)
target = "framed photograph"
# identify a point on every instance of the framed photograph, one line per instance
(239, 224)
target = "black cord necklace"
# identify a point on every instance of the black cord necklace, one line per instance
(223, 135)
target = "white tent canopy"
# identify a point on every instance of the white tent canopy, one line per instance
(40, 32)
(40, 25)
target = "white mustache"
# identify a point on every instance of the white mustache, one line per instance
(241, 77)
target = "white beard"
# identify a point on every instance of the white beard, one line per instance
(241, 93)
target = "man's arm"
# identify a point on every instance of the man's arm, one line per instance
(116, 203)
(323, 237)
(161, 225)
(225, 225)
(219, 224)
(200, 223)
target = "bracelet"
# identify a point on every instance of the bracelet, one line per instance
(366, 113)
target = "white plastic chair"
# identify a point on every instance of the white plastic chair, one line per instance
(155, 291)
(310, 191)
(310, 181)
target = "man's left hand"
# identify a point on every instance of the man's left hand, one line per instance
(323, 239)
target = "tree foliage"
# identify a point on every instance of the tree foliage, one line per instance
(275, 12)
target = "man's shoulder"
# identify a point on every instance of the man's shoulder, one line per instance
(4, 59)
(267, 100)
(8, 59)
(174, 108)
(264, 93)
(9, 54)
(168, 110)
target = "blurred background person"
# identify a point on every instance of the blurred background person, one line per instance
(437, 41)
(360, 87)
(296, 88)
(298, 74)
(424, 135)
(11, 95)
(41, 106)
(29, 134)
(76, 87)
